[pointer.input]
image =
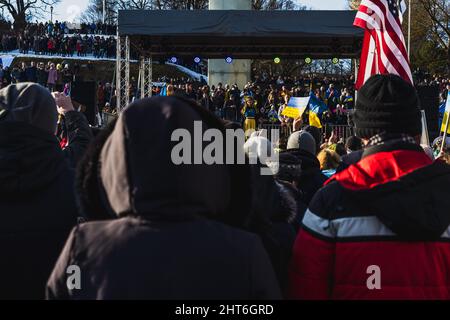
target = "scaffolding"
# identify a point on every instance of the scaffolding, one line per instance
(145, 77)
(123, 87)
(272, 34)
(122, 72)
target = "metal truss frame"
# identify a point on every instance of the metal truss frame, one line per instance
(146, 76)
(122, 72)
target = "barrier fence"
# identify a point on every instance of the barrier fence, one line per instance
(284, 131)
(340, 131)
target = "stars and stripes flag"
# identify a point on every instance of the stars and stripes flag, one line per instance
(384, 49)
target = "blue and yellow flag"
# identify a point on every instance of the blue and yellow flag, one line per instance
(315, 105)
(316, 108)
(314, 120)
(295, 107)
(446, 114)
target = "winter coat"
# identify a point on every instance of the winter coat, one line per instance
(311, 178)
(174, 236)
(38, 207)
(274, 212)
(22, 75)
(52, 76)
(79, 136)
(31, 74)
(42, 76)
(385, 218)
(349, 159)
(15, 74)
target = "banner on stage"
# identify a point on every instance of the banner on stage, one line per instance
(295, 107)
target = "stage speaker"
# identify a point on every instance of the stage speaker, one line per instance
(85, 93)
(429, 101)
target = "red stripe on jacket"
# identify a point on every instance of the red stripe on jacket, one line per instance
(381, 168)
(322, 270)
(331, 268)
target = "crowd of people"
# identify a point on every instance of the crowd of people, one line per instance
(57, 39)
(265, 98)
(51, 75)
(114, 205)
(63, 27)
(262, 100)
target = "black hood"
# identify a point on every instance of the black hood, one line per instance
(310, 163)
(30, 103)
(415, 207)
(136, 174)
(30, 158)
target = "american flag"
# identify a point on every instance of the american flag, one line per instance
(384, 49)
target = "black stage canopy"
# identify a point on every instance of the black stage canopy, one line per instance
(243, 33)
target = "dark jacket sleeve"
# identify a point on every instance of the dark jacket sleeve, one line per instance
(56, 285)
(263, 280)
(342, 166)
(79, 135)
(312, 264)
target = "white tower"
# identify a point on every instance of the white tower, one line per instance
(218, 70)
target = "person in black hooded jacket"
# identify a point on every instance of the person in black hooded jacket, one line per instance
(173, 235)
(75, 127)
(303, 145)
(37, 199)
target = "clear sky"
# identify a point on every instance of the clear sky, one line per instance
(69, 10)
(325, 4)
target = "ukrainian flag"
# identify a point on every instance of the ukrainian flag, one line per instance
(446, 111)
(316, 108)
(314, 120)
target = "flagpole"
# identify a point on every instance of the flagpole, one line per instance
(356, 77)
(409, 30)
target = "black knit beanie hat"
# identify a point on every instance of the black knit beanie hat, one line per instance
(387, 103)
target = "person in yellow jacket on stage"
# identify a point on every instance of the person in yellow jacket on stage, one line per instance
(249, 111)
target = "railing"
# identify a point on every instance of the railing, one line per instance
(107, 118)
(340, 131)
(284, 130)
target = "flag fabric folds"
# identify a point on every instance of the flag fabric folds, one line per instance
(384, 49)
(446, 112)
(368, 63)
(295, 107)
(316, 108)
(314, 120)
(315, 105)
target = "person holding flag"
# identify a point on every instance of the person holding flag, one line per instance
(316, 108)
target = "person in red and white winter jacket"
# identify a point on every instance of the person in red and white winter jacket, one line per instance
(380, 228)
